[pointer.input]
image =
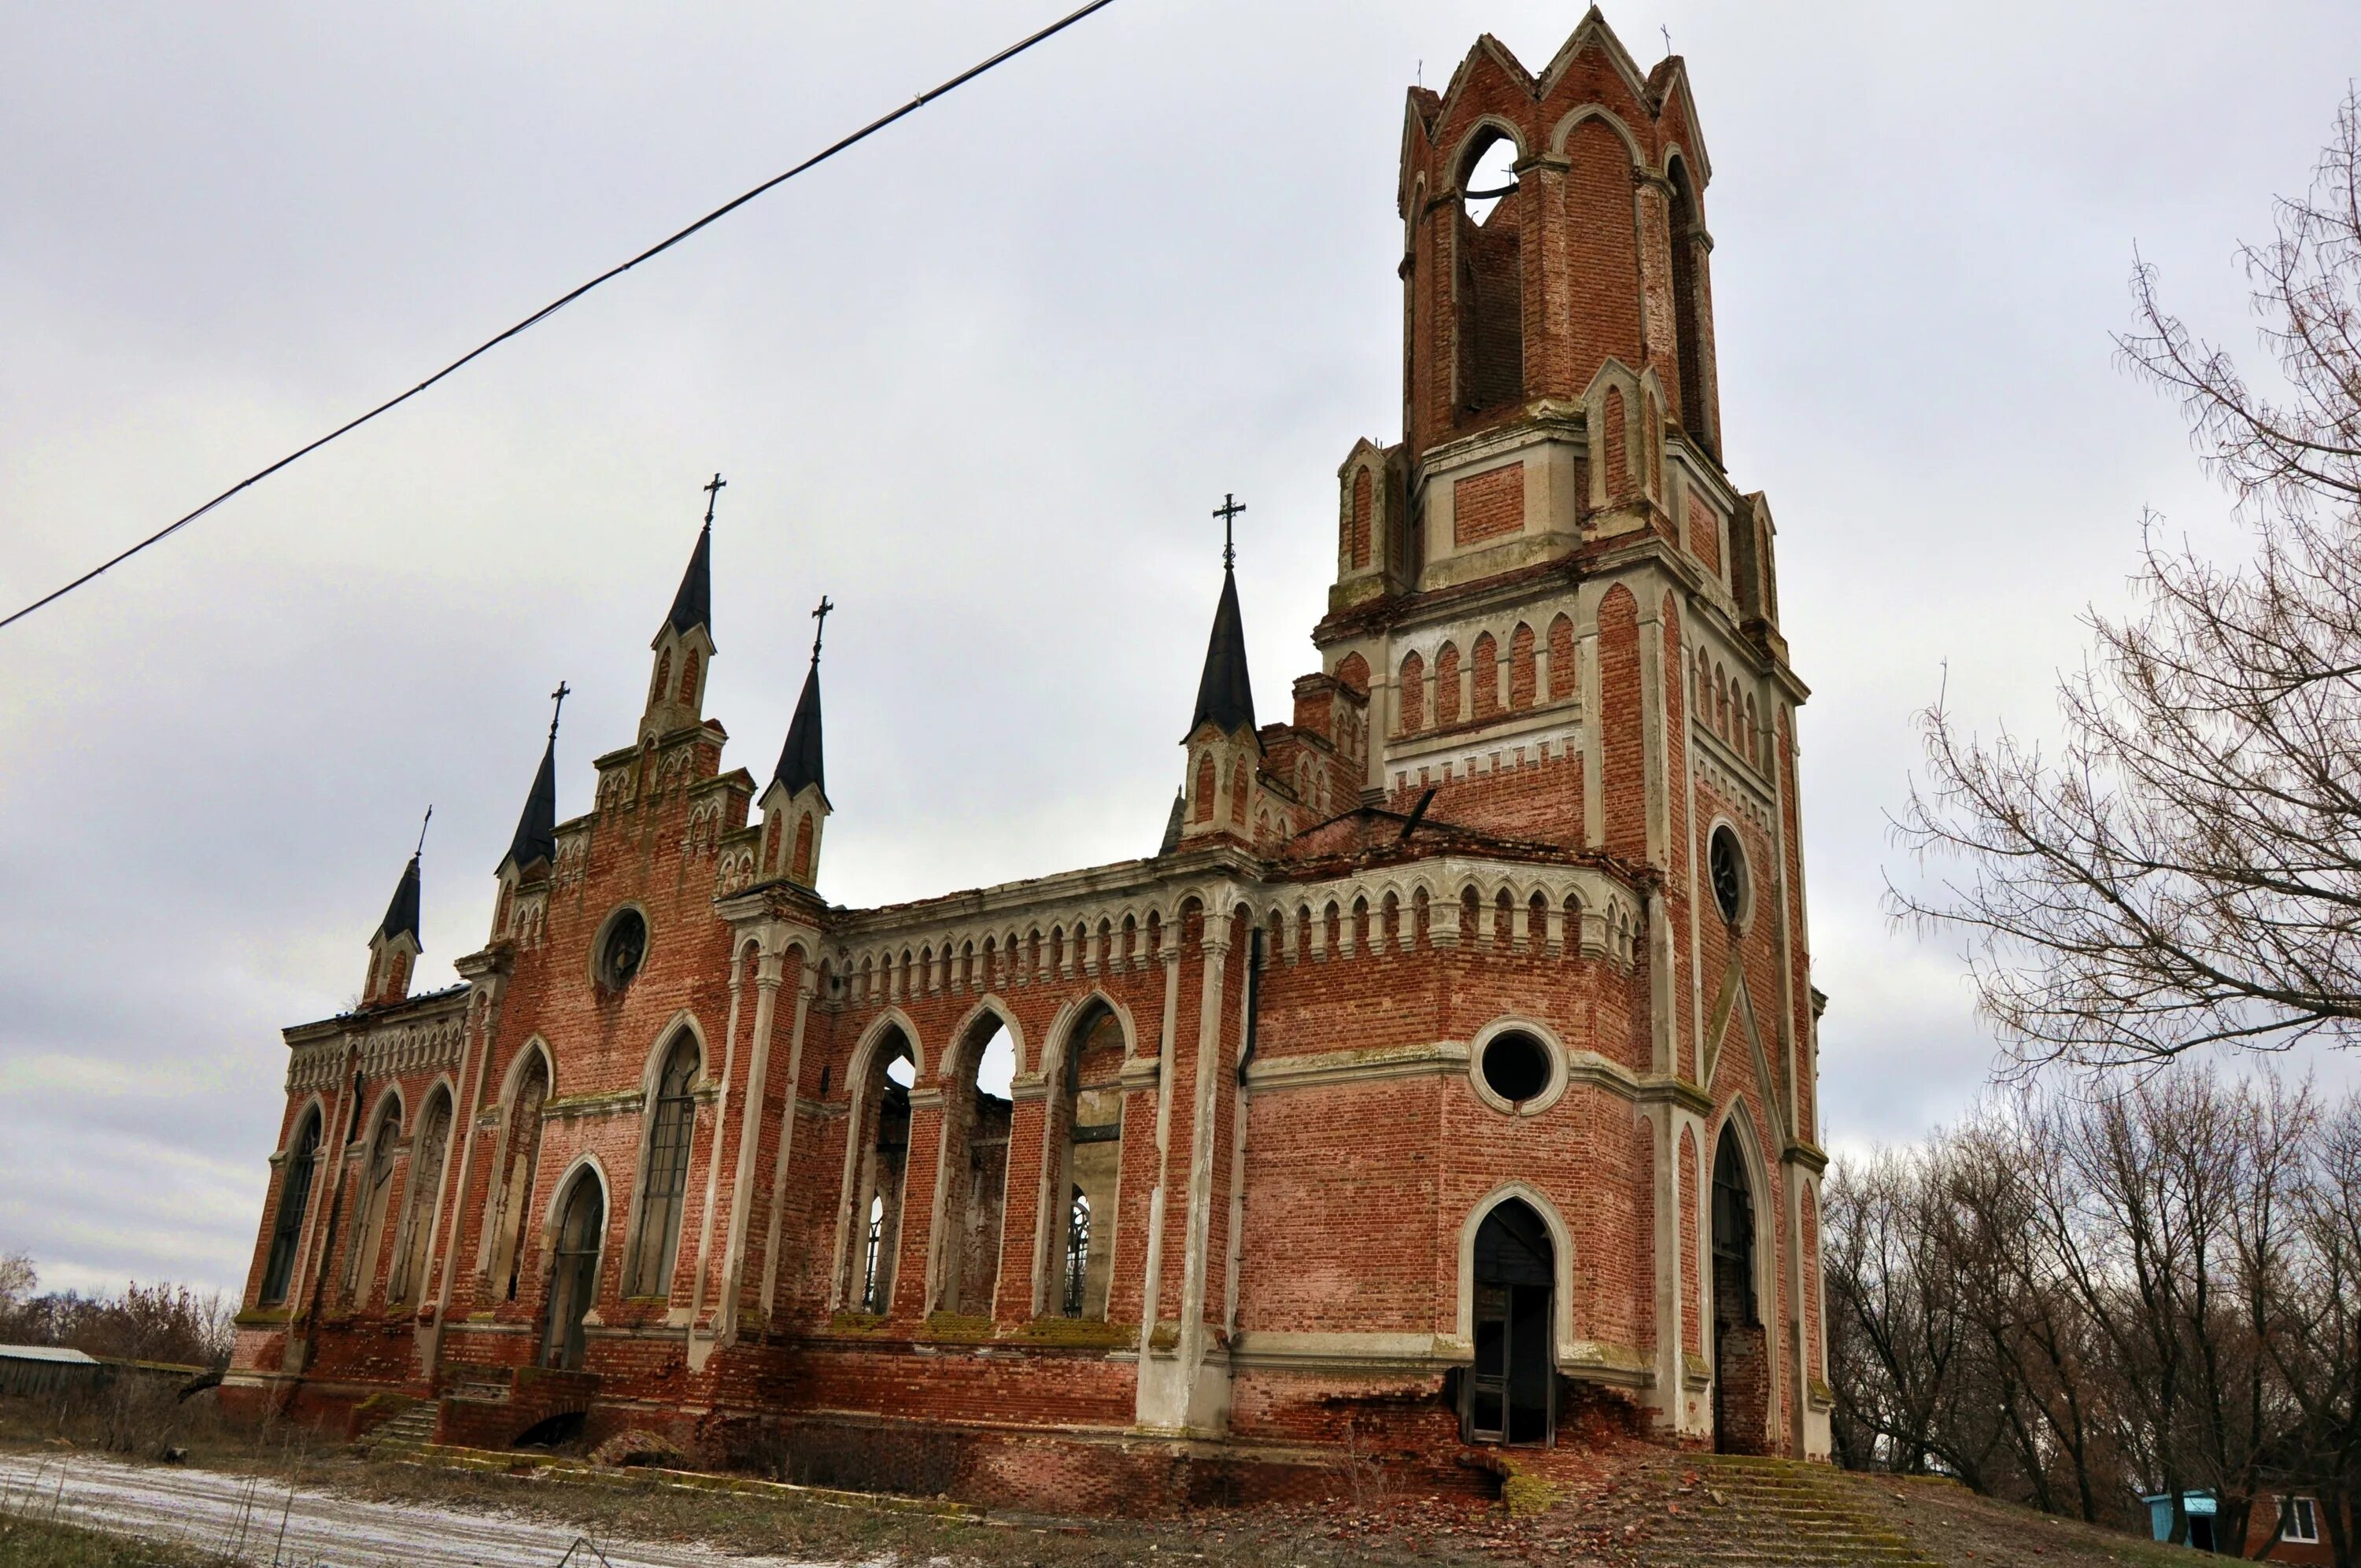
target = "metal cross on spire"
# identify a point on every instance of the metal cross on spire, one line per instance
(1229, 511)
(713, 494)
(421, 835)
(557, 697)
(819, 624)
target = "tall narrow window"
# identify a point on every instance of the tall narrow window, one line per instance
(427, 1148)
(375, 1194)
(879, 1149)
(294, 1199)
(1078, 1255)
(1086, 1128)
(1489, 282)
(522, 1154)
(871, 1299)
(574, 1277)
(1688, 308)
(665, 1177)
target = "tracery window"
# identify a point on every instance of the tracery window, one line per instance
(294, 1200)
(664, 1175)
(871, 1299)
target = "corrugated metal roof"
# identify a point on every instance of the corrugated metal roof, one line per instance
(46, 1352)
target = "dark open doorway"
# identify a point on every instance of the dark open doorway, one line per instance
(1510, 1394)
(574, 1280)
(1741, 1350)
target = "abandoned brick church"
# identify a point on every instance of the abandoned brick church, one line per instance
(1449, 1072)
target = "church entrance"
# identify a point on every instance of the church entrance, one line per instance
(1741, 1349)
(574, 1281)
(1510, 1394)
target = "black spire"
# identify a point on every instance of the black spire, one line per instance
(1224, 693)
(693, 605)
(801, 760)
(401, 915)
(536, 830)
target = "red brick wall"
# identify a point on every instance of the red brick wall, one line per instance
(1488, 505)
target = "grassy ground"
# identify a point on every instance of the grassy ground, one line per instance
(1631, 1506)
(33, 1543)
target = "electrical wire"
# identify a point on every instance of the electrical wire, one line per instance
(547, 310)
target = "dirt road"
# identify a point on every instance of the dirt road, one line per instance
(240, 1516)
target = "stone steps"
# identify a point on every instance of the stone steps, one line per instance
(1767, 1511)
(408, 1432)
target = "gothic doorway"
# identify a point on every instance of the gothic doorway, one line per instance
(1741, 1350)
(1510, 1394)
(574, 1280)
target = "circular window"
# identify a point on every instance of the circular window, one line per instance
(1516, 1067)
(620, 952)
(1727, 863)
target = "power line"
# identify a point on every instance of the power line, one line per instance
(547, 310)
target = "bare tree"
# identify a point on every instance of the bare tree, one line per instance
(2186, 869)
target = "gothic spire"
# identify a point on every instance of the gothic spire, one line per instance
(1225, 695)
(692, 606)
(536, 830)
(401, 915)
(801, 760)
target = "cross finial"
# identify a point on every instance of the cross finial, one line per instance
(819, 624)
(1229, 511)
(712, 494)
(1667, 31)
(558, 697)
(421, 835)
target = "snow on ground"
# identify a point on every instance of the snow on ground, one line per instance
(240, 1515)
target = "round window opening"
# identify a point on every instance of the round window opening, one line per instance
(1516, 1067)
(626, 945)
(1728, 863)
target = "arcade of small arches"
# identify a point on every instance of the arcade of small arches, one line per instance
(1440, 903)
(1448, 690)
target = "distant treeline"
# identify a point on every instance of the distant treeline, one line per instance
(2070, 1302)
(145, 1323)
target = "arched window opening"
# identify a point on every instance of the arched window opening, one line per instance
(1086, 1120)
(1411, 698)
(427, 1149)
(1742, 1347)
(1490, 281)
(1510, 1394)
(574, 1272)
(976, 1158)
(688, 672)
(1688, 308)
(376, 1195)
(665, 1171)
(1202, 808)
(521, 1156)
(881, 1123)
(294, 1202)
(663, 677)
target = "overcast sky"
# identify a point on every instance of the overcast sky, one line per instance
(981, 382)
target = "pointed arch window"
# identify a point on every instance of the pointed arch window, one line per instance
(427, 1149)
(664, 1175)
(521, 1155)
(881, 1140)
(294, 1200)
(376, 1195)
